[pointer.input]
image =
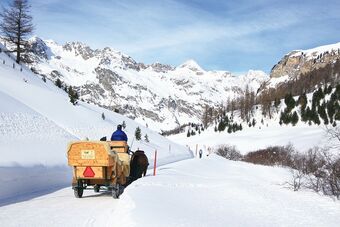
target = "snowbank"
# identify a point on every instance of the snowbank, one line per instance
(216, 192)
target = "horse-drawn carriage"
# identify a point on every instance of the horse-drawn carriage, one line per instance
(99, 164)
(104, 165)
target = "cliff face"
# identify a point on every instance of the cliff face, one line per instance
(303, 61)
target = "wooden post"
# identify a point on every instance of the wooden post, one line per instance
(196, 149)
(155, 163)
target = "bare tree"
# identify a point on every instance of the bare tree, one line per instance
(334, 134)
(17, 25)
(229, 152)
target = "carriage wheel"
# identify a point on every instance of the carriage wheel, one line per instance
(96, 188)
(78, 190)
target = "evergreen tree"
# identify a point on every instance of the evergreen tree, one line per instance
(308, 114)
(290, 102)
(73, 95)
(254, 122)
(221, 126)
(286, 118)
(58, 83)
(331, 107)
(188, 134)
(215, 129)
(193, 133)
(337, 116)
(302, 101)
(329, 89)
(295, 118)
(317, 96)
(322, 113)
(146, 138)
(138, 134)
(315, 117)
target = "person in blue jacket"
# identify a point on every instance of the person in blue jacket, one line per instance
(119, 135)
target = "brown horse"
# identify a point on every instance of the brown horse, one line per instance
(138, 165)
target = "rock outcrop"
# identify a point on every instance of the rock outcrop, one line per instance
(303, 61)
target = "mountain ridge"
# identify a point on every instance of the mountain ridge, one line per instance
(159, 95)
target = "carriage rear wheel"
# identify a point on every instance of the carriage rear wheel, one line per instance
(78, 190)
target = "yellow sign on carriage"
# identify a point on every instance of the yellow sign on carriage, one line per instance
(88, 154)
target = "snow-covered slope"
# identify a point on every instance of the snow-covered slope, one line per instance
(315, 52)
(159, 95)
(198, 192)
(267, 132)
(37, 121)
(302, 137)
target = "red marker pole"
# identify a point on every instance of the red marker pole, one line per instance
(155, 163)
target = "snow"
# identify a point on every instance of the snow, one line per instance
(37, 122)
(217, 192)
(275, 81)
(211, 191)
(314, 52)
(301, 136)
(146, 88)
(192, 65)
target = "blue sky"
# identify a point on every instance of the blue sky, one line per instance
(222, 35)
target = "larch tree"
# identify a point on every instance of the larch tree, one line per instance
(16, 26)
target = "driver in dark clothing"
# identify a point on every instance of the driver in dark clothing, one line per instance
(119, 135)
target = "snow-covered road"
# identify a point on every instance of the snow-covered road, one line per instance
(207, 192)
(60, 208)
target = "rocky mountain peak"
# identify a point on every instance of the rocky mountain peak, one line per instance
(192, 65)
(79, 48)
(302, 61)
(161, 68)
(39, 49)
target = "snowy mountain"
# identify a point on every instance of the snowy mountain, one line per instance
(299, 62)
(159, 95)
(37, 122)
